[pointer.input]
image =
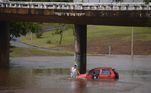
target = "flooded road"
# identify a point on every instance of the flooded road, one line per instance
(51, 75)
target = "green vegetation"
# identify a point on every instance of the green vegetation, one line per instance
(115, 32)
(18, 29)
(25, 52)
(99, 38)
(50, 39)
(147, 1)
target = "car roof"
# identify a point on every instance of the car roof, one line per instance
(100, 68)
(103, 68)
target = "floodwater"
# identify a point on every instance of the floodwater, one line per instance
(51, 75)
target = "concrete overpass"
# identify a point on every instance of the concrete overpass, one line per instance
(121, 14)
(80, 14)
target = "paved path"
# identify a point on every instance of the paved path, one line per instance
(17, 43)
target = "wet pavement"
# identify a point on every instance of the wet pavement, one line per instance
(51, 75)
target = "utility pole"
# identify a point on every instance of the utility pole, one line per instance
(132, 42)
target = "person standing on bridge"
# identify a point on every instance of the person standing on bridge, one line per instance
(74, 72)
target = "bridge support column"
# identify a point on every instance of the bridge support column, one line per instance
(81, 47)
(4, 44)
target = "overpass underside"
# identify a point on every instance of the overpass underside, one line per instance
(93, 17)
(80, 18)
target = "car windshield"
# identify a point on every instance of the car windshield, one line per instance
(91, 72)
(105, 71)
(94, 71)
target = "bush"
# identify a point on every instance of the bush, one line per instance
(48, 42)
(39, 34)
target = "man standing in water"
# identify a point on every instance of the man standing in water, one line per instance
(74, 72)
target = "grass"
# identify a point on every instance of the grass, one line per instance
(107, 34)
(25, 52)
(49, 40)
(99, 32)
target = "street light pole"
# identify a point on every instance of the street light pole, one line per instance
(132, 42)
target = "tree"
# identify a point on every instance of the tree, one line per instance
(59, 31)
(18, 29)
(147, 1)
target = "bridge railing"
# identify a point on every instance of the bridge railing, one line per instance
(77, 6)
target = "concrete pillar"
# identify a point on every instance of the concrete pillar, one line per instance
(81, 46)
(4, 44)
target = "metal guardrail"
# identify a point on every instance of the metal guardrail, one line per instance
(77, 6)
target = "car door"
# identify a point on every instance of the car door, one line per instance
(96, 74)
(90, 74)
(105, 73)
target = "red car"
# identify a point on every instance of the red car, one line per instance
(100, 73)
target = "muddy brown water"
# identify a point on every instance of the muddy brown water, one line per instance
(51, 75)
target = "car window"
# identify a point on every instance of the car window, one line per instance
(97, 71)
(106, 72)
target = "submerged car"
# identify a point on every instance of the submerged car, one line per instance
(100, 73)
